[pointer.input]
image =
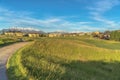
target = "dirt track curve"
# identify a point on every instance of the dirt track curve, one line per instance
(5, 53)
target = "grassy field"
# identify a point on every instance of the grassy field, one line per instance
(5, 40)
(66, 59)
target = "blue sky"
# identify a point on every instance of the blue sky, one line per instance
(61, 15)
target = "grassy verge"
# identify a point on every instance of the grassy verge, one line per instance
(15, 69)
(7, 40)
(65, 59)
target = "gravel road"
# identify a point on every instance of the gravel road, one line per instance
(5, 53)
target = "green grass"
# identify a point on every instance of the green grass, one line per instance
(7, 40)
(103, 43)
(66, 59)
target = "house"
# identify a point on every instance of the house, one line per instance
(96, 34)
(90, 33)
(19, 34)
(22, 32)
(54, 34)
(73, 34)
(66, 35)
(81, 34)
(10, 33)
(33, 34)
(106, 36)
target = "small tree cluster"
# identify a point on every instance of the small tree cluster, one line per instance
(115, 35)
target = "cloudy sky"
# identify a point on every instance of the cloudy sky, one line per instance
(61, 15)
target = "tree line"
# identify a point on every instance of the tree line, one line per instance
(115, 35)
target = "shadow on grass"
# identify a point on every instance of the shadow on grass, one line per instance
(91, 70)
(11, 74)
(9, 43)
(77, 70)
(74, 70)
(6, 44)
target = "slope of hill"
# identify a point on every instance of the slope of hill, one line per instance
(66, 59)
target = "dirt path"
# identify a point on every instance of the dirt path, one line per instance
(5, 52)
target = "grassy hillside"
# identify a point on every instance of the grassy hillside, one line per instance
(66, 59)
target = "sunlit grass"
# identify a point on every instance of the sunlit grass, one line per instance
(6, 40)
(66, 59)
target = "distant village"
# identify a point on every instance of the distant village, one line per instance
(22, 32)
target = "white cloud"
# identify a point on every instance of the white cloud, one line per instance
(13, 18)
(97, 10)
(104, 5)
(24, 19)
(100, 7)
